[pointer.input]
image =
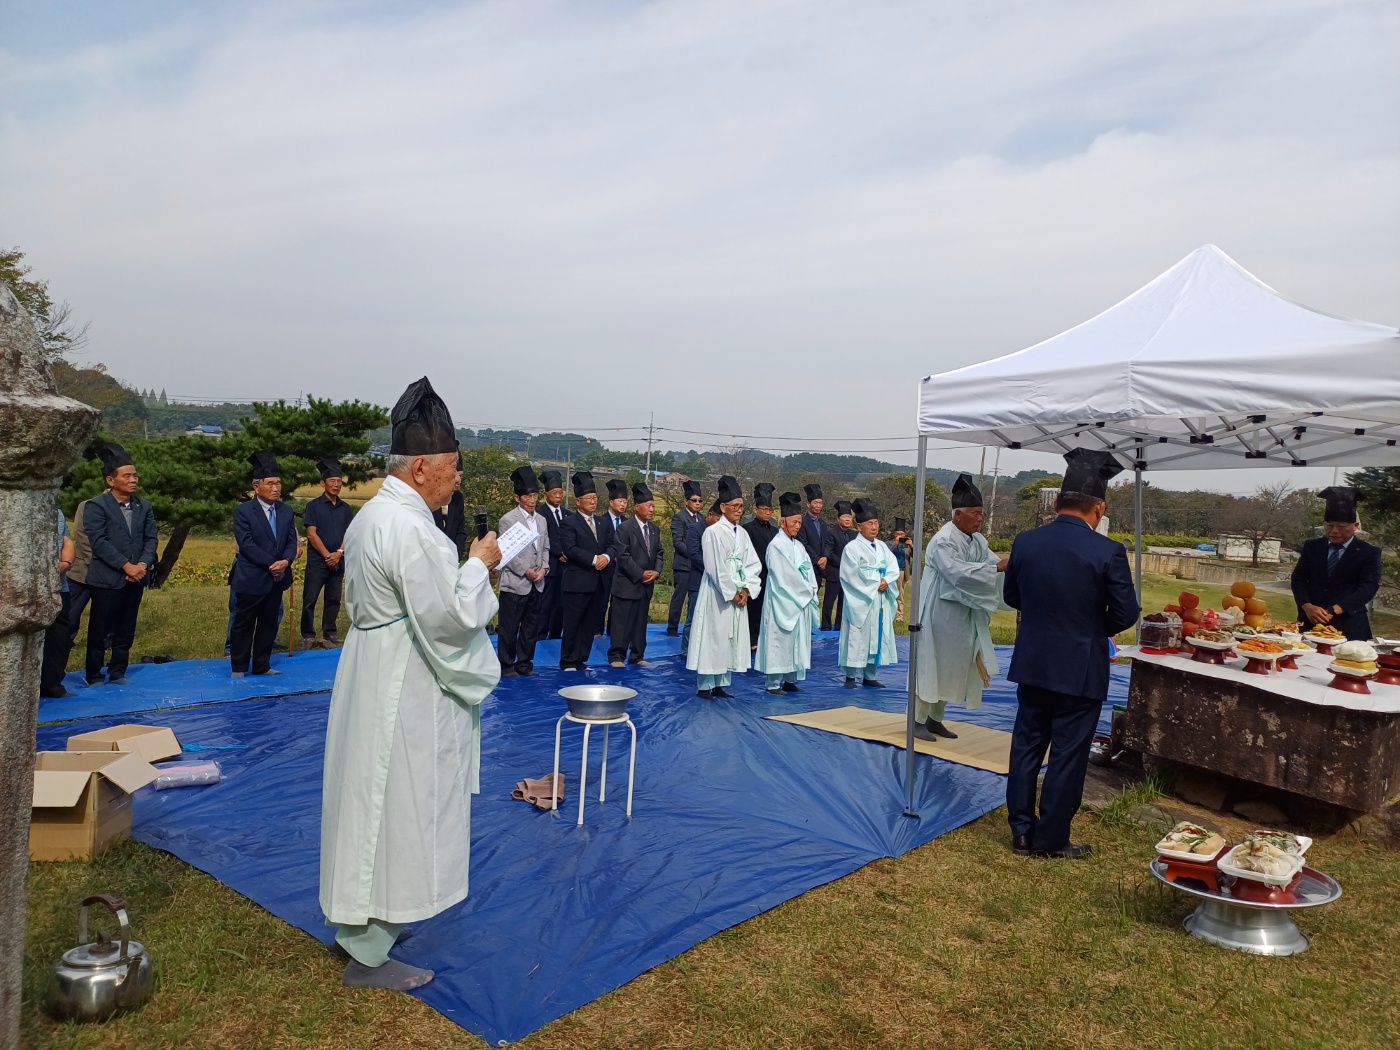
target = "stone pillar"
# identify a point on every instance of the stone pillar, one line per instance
(41, 437)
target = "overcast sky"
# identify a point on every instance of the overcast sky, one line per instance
(744, 216)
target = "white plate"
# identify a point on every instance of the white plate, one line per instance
(1192, 858)
(1312, 640)
(1206, 643)
(1304, 843)
(1270, 657)
(1350, 672)
(1258, 876)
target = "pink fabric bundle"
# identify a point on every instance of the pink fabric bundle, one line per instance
(537, 791)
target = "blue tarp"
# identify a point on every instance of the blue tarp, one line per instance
(733, 815)
(185, 683)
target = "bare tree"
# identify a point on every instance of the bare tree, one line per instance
(1266, 514)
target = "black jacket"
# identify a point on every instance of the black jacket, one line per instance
(580, 547)
(634, 558)
(1075, 592)
(556, 543)
(113, 544)
(258, 548)
(836, 540)
(454, 522)
(812, 535)
(762, 534)
(1352, 585)
(682, 522)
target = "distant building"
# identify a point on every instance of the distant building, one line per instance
(1241, 548)
(206, 430)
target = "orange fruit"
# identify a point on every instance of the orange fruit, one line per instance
(1187, 600)
(1172, 609)
(1188, 628)
(1242, 589)
(1231, 602)
(1255, 607)
(1255, 620)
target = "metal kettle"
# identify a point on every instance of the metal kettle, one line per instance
(99, 978)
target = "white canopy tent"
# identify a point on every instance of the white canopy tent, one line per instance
(1204, 367)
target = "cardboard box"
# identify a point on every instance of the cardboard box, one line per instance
(151, 743)
(82, 802)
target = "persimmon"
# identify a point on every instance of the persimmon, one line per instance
(1242, 589)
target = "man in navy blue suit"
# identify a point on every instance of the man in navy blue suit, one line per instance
(1074, 591)
(1338, 574)
(266, 533)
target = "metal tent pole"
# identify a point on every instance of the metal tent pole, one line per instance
(915, 571)
(1137, 535)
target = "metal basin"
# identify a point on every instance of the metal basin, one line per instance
(597, 701)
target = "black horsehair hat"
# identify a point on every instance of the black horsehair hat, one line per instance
(763, 494)
(523, 479)
(813, 491)
(113, 458)
(843, 506)
(729, 489)
(583, 483)
(965, 493)
(1341, 503)
(264, 465)
(641, 494)
(865, 510)
(1088, 472)
(691, 488)
(789, 503)
(617, 488)
(329, 468)
(551, 479)
(422, 425)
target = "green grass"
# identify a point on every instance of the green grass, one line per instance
(957, 944)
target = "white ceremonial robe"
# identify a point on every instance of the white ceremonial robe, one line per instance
(790, 610)
(719, 635)
(861, 634)
(960, 589)
(403, 738)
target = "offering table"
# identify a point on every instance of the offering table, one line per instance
(1287, 730)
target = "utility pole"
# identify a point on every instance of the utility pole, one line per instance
(651, 428)
(568, 484)
(982, 469)
(996, 473)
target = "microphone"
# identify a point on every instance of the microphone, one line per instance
(480, 519)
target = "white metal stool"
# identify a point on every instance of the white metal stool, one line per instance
(588, 724)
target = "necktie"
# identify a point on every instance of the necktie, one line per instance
(1333, 556)
(272, 519)
(646, 539)
(591, 526)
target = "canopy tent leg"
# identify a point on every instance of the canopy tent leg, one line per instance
(915, 571)
(1137, 537)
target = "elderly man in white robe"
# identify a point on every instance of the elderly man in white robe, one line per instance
(719, 638)
(960, 590)
(403, 736)
(870, 588)
(790, 605)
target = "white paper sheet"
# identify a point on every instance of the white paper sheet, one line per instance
(514, 540)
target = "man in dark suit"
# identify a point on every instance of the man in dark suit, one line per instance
(639, 559)
(1337, 573)
(1074, 591)
(265, 530)
(553, 512)
(812, 534)
(326, 517)
(452, 520)
(121, 531)
(834, 601)
(589, 554)
(685, 519)
(694, 548)
(761, 531)
(611, 522)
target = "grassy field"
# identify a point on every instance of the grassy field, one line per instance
(957, 944)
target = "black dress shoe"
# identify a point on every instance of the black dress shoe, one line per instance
(849, 683)
(1069, 851)
(937, 728)
(509, 672)
(872, 683)
(672, 632)
(1021, 845)
(791, 687)
(721, 693)
(117, 680)
(705, 694)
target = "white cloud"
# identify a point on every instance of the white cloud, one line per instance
(719, 211)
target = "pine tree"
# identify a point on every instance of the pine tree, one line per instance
(163, 402)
